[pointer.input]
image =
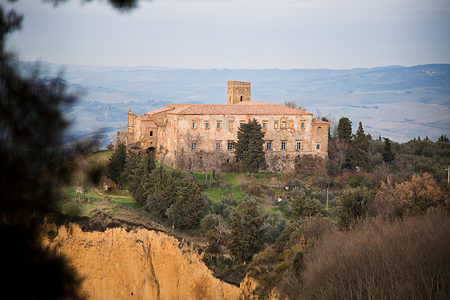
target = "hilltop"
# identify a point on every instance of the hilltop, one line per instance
(394, 101)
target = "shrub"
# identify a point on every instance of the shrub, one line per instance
(353, 206)
(414, 196)
(209, 222)
(272, 227)
(406, 259)
(304, 206)
(253, 189)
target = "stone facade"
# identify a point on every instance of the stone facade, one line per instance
(203, 133)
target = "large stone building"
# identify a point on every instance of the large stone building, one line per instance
(200, 136)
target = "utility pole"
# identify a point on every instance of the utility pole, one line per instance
(448, 174)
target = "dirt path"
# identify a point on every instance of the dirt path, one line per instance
(105, 195)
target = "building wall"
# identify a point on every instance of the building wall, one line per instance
(182, 132)
(238, 91)
(177, 133)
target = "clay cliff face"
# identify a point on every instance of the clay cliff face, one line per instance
(139, 264)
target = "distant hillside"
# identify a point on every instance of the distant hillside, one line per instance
(396, 102)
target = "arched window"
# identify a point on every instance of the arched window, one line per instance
(151, 132)
(241, 98)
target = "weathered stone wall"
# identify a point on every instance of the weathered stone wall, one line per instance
(278, 129)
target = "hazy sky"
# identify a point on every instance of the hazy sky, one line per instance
(237, 33)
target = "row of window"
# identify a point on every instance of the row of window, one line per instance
(268, 145)
(264, 125)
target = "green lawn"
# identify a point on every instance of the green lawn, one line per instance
(88, 202)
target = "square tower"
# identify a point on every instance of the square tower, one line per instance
(238, 91)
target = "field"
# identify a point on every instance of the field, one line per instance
(268, 188)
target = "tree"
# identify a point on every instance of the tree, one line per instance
(388, 155)
(117, 163)
(360, 147)
(161, 190)
(292, 104)
(353, 205)
(33, 168)
(303, 206)
(344, 130)
(133, 162)
(249, 147)
(187, 211)
(245, 227)
(443, 138)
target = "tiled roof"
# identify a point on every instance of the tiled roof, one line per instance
(159, 110)
(149, 124)
(247, 108)
(320, 121)
(147, 121)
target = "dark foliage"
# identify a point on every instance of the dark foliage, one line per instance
(33, 166)
(344, 130)
(353, 206)
(187, 211)
(360, 146)
(117, 163)
(249, 147)
(388, 155)
(132, 163)
(245, 227)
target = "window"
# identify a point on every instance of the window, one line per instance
(283, 124)
(231, 125)
(269, 145)
(151, 133)
(194, 125)
(275, 125)
(318, 147)
(194, 146)
(241, 98)
(303, 125)
(230, 145)
(218, 145)
(207, 125)
(283, 145)
(299, 145)
(318, 130)
(264, 125)
(219, 125)
(242, 122)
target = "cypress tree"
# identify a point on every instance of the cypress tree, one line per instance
(344, 130)
(360, 147)
(388, 155)
(133, 162)
(245, 227)
(249, 147)
(187, 211)
(117, 163)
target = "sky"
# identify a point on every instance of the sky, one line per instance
(236, 34)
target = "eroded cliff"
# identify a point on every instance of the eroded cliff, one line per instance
(136, 264)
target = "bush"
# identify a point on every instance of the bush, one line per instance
(209, 222)
(406, 259)
(354, 206)
(272, 227)
(412, 196)
(253, 189)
